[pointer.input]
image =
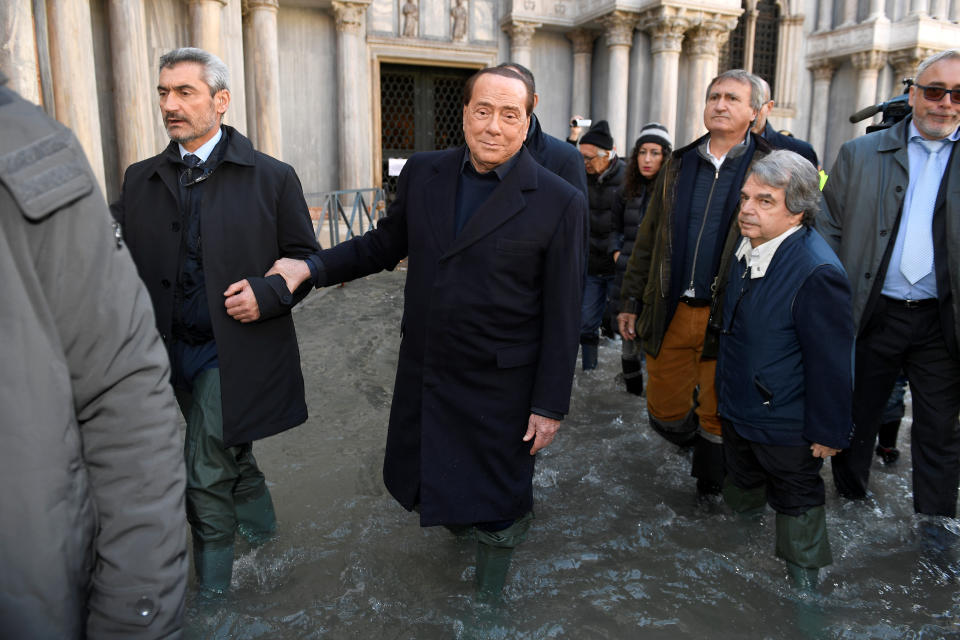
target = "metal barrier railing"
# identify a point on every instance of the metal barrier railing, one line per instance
(348, 212)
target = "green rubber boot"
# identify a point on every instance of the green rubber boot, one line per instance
(744, 501)
(802, 578)
(214, 568)
(256, 520)
(494, 552)
(802, 542)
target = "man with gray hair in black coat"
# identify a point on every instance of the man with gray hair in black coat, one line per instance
(202, 219)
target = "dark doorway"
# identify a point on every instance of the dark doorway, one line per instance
(420, 110)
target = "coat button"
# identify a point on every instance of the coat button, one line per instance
(165, 283)
(867, 275)
(175, 226)
(883, 232)
(144, 607)
(898, 189)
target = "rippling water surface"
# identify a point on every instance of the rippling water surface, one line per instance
(619, 548)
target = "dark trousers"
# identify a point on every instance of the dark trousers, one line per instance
(790, 474)
(895, 338)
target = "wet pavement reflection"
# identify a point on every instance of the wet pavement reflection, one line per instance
(620, 548)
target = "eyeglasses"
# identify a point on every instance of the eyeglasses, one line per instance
(187, 178)
(935, 94)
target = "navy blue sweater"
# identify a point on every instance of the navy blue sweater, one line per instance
(785, 366)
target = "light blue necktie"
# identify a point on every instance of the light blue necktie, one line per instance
(917, 258)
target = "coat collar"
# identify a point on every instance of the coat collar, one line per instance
(505, 202)
(894, 140)
(239, 151)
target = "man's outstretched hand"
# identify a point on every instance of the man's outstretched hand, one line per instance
(294, 272)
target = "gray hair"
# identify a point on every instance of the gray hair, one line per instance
(782, 169)
(949, 54)
(756, 88)
(766, 89)
(215, 73)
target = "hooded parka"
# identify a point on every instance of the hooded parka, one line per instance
(93, 543)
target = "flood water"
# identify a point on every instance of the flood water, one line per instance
(619, 548)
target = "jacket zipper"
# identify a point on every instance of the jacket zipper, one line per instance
(703, 223)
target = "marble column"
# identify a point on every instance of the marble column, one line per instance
(261, 16)
(790, 48)
(939, 9)
(353, 84)
(18, 48)
(822, 75)
(849, 13)
(582, 58)
(918, 7)
(824, 15)
(705, 41)
(666, 38)
(618, 31)
(205, 25)
(750, 35)
(955, 11)
(134, 93)
(868, 65)
(521, 38)
(71, 65)
(876, 10)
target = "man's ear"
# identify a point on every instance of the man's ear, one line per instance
(536, 100)
(222, 100)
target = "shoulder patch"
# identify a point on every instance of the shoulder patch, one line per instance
(47, 174)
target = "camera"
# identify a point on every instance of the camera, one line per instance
(581, 122)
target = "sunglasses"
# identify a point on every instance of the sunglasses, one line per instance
(935, 94)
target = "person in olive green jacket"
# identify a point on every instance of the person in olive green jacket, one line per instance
(674, 267)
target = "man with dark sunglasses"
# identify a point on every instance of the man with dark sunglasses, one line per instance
(896, 228)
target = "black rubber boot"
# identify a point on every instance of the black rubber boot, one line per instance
(632, 376)
(708, 466)
(589, 356)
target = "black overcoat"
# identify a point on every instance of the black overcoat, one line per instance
(489, 331)
(253, 212)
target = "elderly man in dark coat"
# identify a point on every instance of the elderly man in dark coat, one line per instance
(496, 252)
(553, 153)
(784, 378)
(204, 213)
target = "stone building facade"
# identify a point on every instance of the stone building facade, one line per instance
(339, 87)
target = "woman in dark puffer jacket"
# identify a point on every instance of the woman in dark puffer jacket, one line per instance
(651, 149)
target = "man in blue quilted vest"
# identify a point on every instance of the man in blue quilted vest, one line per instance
(784, 379)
